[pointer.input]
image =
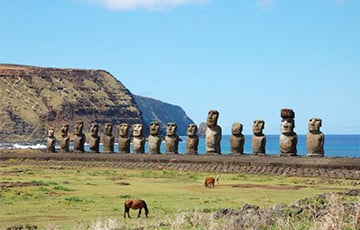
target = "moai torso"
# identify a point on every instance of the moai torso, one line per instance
(108, 138)
(237, 139)
(124, 139)
(213, 133)
(138, 139)
(79, 137)
(154, 140)
(192, 139)
(50, 141)
(65, 139)
(258, 138)
(94, 140)
(171, 139)
(288, 138)
(315, 138)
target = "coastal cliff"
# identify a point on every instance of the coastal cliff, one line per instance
(36, 98)
(155, 110)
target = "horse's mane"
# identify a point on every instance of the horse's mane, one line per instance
(145, 207)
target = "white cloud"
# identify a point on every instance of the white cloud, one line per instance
(152, 5)
(264, 4)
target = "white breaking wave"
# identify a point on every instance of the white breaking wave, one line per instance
(28, 146)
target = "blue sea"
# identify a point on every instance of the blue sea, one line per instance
(335, 145)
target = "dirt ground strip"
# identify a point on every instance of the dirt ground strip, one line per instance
(326, 167)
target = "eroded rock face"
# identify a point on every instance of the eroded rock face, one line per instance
(65, 139)
(138, 139)
(288, 138)
(50, 141)
(237, 139)
(213, 133)
(258, 138)
(35, 98)
(171, 139)
(124, 139)
(94, 139)
(154, 140)
(192, 139)
(315, 138)
(79, 137)
(108, 138)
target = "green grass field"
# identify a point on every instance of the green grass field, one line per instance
(55, 197)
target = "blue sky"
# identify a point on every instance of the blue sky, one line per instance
(247, 59)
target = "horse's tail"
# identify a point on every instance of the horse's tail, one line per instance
(146, 208)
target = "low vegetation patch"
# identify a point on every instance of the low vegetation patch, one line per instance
(93, 198)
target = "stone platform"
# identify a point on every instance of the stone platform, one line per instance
(326, 167)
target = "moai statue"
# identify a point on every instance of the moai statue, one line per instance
(124, 139)
(237, 139)
(94, 140)
(79, 137)
(154, 140)
(192, 139)
(50, 140)
(171, 139)
(213, 133)
(138, 139)
(315, 139)
(108, 138)
(288, 138)
(258, 138)
(65, 139)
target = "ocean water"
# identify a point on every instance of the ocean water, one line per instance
(335, 145)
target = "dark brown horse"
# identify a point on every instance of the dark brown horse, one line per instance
(210, 182)
(135, 204)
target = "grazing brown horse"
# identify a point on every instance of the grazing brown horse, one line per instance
(135, 204)
(210, 182)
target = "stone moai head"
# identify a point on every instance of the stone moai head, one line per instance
(154, 128)
(236, 129)
(314, 125)
(108, 127)
(124, 130)
(51, 132)
(79, 127)
(171, 128)
(258, 127)
(137, 130)
(94, 129)
(287, 122)
(64, 130)
(212, 118)
(191, 130)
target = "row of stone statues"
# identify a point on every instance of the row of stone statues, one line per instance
(288, 138)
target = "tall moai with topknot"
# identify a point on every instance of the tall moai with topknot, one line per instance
(288, 138)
